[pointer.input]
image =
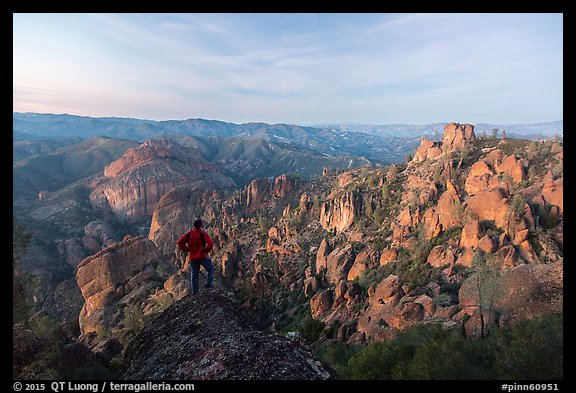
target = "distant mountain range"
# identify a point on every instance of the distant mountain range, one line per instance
(525, 131)
(383, 144)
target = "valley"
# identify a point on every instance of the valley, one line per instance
(323, 236)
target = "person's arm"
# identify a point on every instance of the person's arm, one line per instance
(182, 243)
(209, 243)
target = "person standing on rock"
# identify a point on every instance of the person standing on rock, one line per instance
(198, 244)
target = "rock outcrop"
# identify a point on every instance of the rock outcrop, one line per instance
(209, 337)
(135, 183)
(491, 205)
(426, 150)
(340, 212)
(456, 136)
(122, 274)
(173, 216)
(523, 292)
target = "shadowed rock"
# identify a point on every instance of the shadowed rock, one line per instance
(210, 336)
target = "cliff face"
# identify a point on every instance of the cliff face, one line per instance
(210, 336)
(130, 273)
(339, 213)
(135, 183)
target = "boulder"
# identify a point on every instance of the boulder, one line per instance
(338, 264)
(361, 262)
(490, 205)
(426, 150)
(322, 255)
(441, 256)
(389, 255)
(320, 303)
(512, 167)
(486, 244)
(404, 315)
(479, 177)
(520, 293)
(456, 136)
(387, 291)
(470, 234)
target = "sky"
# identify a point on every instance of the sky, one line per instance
(306, 69)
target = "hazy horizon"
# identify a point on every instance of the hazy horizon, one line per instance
(307, 69)
(281, 122)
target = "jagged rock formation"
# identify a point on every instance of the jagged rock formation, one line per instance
(426, 151)
(523, 292)
(173, 216)
(208, 337)
(340, 212)
(456, 136)
(122, 275)
(358, 250)
(135, 183)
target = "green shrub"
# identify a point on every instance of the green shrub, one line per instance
(310, 328)
(533, 349)
(530, 349)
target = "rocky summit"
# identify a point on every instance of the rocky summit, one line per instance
(210, 336)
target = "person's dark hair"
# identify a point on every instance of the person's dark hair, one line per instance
(198, 223)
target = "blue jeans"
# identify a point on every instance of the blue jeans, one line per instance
(195, 268)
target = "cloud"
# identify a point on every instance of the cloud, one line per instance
(252, 66)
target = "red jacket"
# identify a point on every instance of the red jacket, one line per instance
(192, 243)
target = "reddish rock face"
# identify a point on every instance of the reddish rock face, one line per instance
(404, 315)
(487, 245)
(283, 186)
(441, 256)
(446, 207)
(173, 216)
(322, 255)
(115, 275)
(470, 234)
(387, 291)
(490, 205)
(479, 177)
(340, 212)
(495, 158)
(345, 178)
(388, 256)
(282, 240)
(553, 193)
(457, 136)
(320, 303)
(425, 151)
(338, 264)
(136, 181)
(517, 294)
(431, 221)
(257, 192)
(512, 167)
(361, 262)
